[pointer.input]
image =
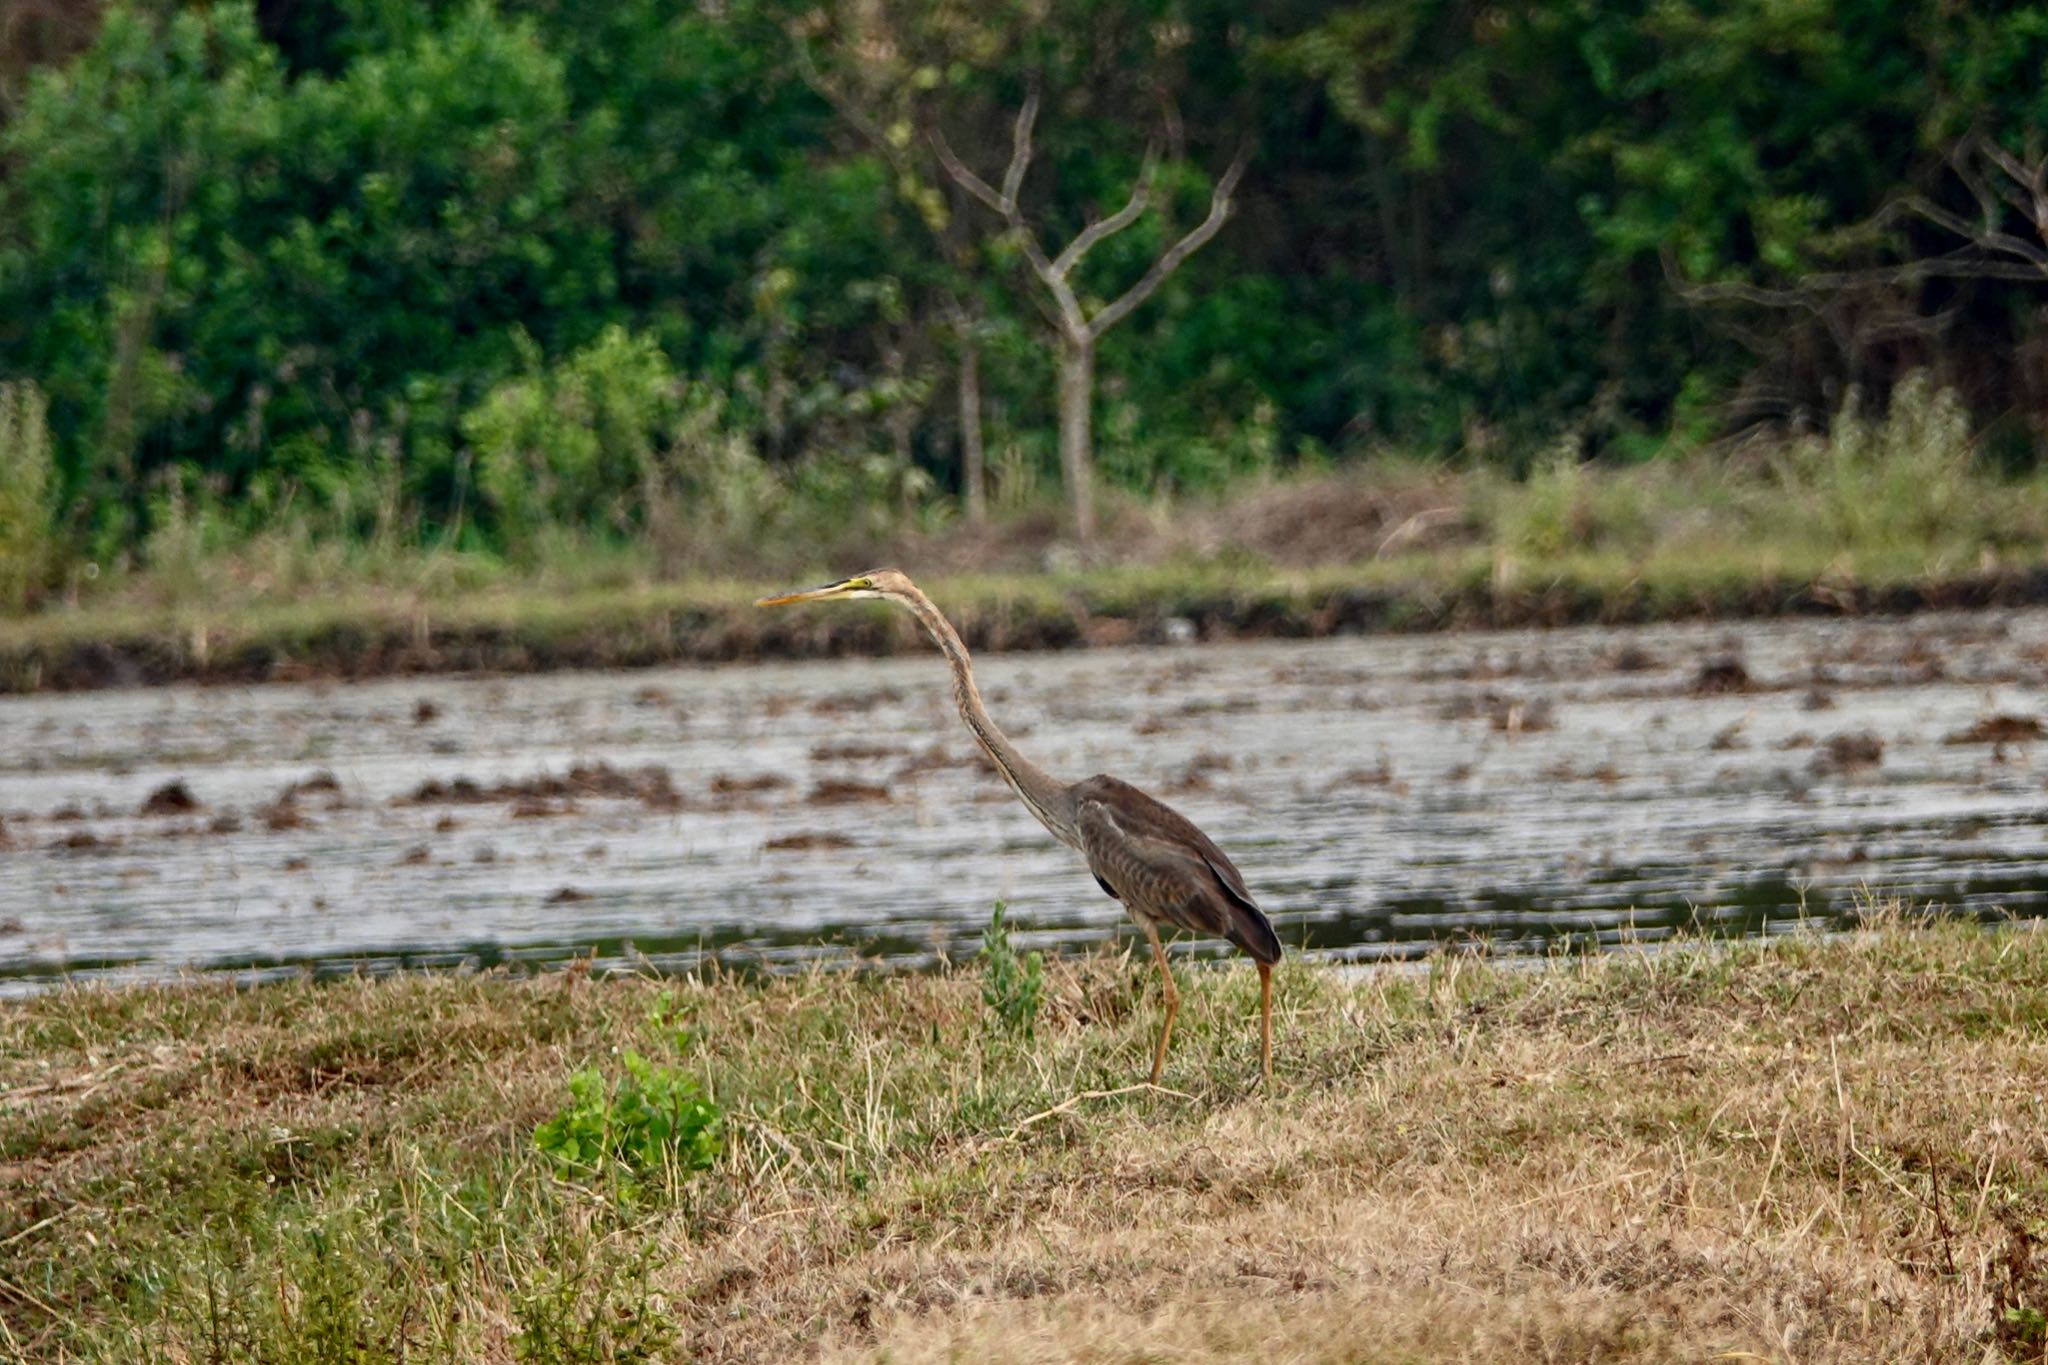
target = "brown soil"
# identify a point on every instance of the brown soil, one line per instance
(798, 843)
(1848, 752)
(172, 798)
(651, 786)
(2000, 729)
(1721, 677)
(834, 792)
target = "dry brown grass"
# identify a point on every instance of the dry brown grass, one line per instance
(1811, 1151)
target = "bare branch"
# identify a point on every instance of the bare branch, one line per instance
(843, 104)
(1005, 202)
(1219, 210)
(1812, 290)
(969, 181)
(1986, 238)
(2033, 180)
(1094, 233)
(1073, 321)
(1020, 149)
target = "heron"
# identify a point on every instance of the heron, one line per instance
(1144, 853)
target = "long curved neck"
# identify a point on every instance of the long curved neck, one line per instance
(1045, 796)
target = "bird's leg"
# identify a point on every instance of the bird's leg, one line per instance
(1172, 996)
(1266, 1021)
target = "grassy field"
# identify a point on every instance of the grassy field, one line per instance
(1806, 1151)
(365, 631)
(1886, 514)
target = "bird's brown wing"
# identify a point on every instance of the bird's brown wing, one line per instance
(1154, 859)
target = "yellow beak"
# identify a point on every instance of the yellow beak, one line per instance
(807, 595)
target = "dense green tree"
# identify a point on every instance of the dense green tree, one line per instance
(309, 251)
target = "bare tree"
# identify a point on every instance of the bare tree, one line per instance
(2002, 184)
(1866, 323)
(1078, 329)
(962, 314)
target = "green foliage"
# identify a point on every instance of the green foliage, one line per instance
(504, 277)
(26, 549)
(1012, 987)
(651, 1119)
(2025, 1326)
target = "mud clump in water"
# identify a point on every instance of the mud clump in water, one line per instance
(854, 749)
(540, 808)
(727, 785)
(567, 895)
(841, 703)
(172, 798)
(2000, 729)
(1722, 677)
(651, 786)
(285, 812)
(1380, 775)
(322, 783)
(799, 843)
(425, 711)
(1848, 752)
(834, 792)
(434, 791)
(284, 815)
(936, 756)
(83, 841)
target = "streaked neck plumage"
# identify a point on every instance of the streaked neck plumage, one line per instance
(1045, 796)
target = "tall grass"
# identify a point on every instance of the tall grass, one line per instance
(27, 548)
(1903, 489)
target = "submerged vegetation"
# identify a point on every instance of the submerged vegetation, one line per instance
(1713, 1151)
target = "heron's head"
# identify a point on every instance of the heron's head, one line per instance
(886, 583)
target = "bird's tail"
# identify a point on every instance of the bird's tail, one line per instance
(1251, 931)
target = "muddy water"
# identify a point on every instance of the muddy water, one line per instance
(1384, 794)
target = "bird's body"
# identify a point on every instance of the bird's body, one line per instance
(1147, 855)
(1153, 859)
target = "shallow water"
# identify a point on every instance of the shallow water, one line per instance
(1381, 794)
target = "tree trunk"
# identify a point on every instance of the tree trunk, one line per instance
(973, 483)
(1077, 448)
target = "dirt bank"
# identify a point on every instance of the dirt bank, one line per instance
(642, 627)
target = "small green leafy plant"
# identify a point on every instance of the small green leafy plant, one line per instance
(1012, 987)
(654, 1118)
